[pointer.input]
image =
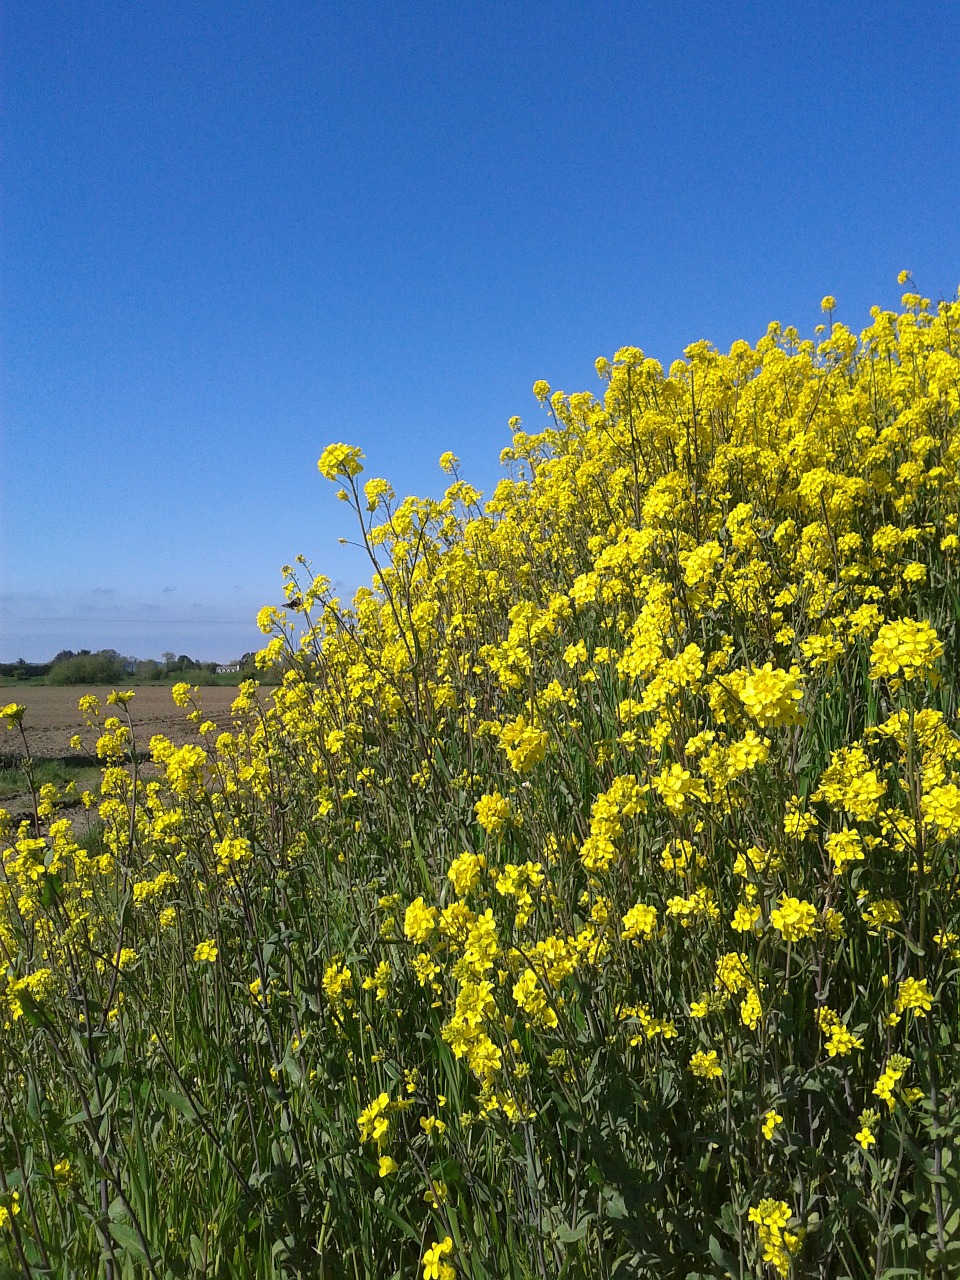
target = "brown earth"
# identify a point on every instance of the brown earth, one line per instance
(52, 717)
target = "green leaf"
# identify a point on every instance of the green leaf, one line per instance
(31, 1009)
(615, 1204)
(407, 1228)
(720, 1256)
(127, 1238)
(51, 889)
(182, 1104)
(567, 1235)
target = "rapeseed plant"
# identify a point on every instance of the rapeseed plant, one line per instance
(596, 862)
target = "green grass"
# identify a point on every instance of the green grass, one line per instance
(14, 781)
(206, 679)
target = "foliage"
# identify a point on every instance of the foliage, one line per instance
(14, 779)
(107, 666)
(24, 671)
(585, 903)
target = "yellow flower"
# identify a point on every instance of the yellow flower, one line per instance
(436, 1194)
(794, 919)
(948, 941)
(769, 694)
(828, 303)
(465, 872)
(891, 1075)
(337, 980)
(677, 786)
(10, 1210)
(232, 851)
(744, 918)
(340, 460)
(751, 1010)
(379, 980)
(483, 1056)
(387, 1166)
(184, 767)
(705, 1065)
(913, 994)
(425, 968)
(883, 913)
(419, 921)
(868, 1122)
(524, 744)
(700, 905)
(374, 1121)
(906, 647)
(770, 1121)
(844, 847)
(941, 809)
(640, 921)
(851, 784)
(841, 1041)
(747, 753)
(13, 714)
(493, 812)
(375, 490)
(733, 973)
(206, 951)
(434, 1268)
(770, 1218)
(181, 693)
(575, 653)
(532, 999)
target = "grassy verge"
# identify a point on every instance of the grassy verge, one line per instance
(64, 775)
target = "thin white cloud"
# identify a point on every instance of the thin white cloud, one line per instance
(36, 625)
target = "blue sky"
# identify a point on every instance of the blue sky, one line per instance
(234, 232)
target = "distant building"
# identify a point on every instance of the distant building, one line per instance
(226, 667)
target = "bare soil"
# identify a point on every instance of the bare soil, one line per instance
(52, 717)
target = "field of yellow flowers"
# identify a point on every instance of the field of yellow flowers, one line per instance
(584, 905)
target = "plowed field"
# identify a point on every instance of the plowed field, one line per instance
(52, 717)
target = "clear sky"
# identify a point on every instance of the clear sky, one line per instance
(234, 232)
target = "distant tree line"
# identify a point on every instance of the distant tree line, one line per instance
(107, 666)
